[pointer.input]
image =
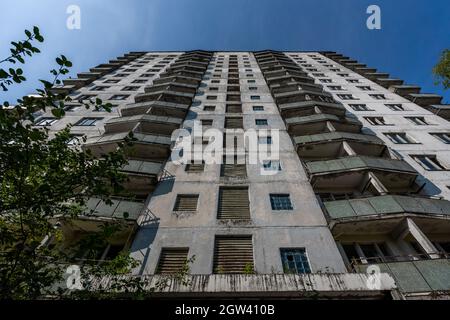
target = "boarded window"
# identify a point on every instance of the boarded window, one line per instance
(186, 202)
(172, 260)
(233, 97)
(234, 123)
(234, 108)
(233, 203)
(231, 168)
(233, 254)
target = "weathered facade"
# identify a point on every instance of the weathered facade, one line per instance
(362, 176)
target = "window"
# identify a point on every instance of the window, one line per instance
(130, 88)
(186, 202)
(251, 81)
(343, 75)
(400, 138)
(48, 121)
(261, 122)
(443, 136)
(295, 260)
(86, 122)
(99, 88)
(85, 97)
(206, 122)
(75, 139)
(119, 97)
(253, 88)
(258, 108)
(211, 97)
(233, 203)
(255, 97)
(346, 97)
(112, 81)
(73, 108)
(172, 260)
(214, 89)
(376, 121)
(209, 108)
(395, 107)
(195, 167)
(352, 80)
(419, 121)
(265, 140)
(271, 165)
(378, 96)
(215, 81)
(233, 254)
(139, 81)
(364, 88)
(429, 162)
(360, 107)
(325, 80)
(146, 75)
(336, 88)
(281, 202)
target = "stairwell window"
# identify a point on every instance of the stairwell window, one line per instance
(281, 202)
(376, 121)
(429, 162)
(295, 260)
(87, 122)
(442, 136)
(255, 97)
(258, 108)
(419, 121)
(271, 165)
(209, 108)
(400, 138)
(395, 106)
(360, 107)
(211, 97)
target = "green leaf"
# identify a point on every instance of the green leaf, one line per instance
(58, 112)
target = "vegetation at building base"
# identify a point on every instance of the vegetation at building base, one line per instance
(442, 70)
(42, 180)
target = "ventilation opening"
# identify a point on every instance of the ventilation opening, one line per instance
(172, 260)
(233, 203)
(186, 202)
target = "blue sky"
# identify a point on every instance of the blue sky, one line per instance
(413, 33)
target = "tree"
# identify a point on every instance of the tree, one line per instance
(442, 70)
(43, 178)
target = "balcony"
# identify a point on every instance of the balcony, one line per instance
(424, 99)
(166, 96)
(365, 70)
(103, 211)
(377, 75)
(351, 173)
(145, 147)
(142, 177)
(416, 277)
(307, 108)
(303, 95)
(388, 205)
(293, 87)
(177, 79)
(173, 87)
(331, 145)
(148, 124)
(404, 90)
(157, 108)
(314, 124)
(287, 79)
(442, 110)
(386, 83)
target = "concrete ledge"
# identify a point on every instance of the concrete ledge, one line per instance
(349, 285)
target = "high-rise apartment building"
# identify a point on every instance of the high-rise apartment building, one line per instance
(362, 178)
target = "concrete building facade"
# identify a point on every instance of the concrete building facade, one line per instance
(362, 178)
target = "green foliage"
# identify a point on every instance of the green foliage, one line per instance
(248, 268)
(442, 70)
(44, 180)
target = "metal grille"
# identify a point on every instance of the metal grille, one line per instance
(234, 123)
(186, 202)
(233, 254)
(233, 203)
(172, 260)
